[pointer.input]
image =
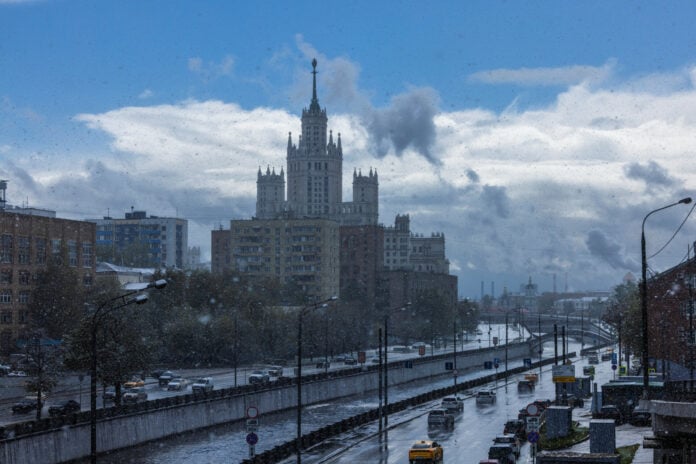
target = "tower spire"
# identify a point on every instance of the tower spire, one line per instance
(315, 102)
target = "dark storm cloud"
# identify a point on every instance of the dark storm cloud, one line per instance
(495, 199)
(651, 173)
(608, 251)
(472, 176)
(406, 122)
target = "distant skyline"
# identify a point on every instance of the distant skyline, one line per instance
(535, 135)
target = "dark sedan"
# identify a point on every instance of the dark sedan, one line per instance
(24, 406)
(64, 407)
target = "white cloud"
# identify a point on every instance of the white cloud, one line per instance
(209, 71)
(559, 76)
(145, 94)
(527, 192)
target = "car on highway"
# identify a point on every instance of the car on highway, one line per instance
(440, 418)
(203, 385)
(516, 427)
(24, 405)
(425, 451)
(525, 386)
(109, 394)
(133, 395)
(503, 452)
(323, 364)
(165, 377)
(178, 384)
(259, 378)
(511, 440)
(592, 358)
(275, 371)
(16, 374)
(452, 403)
(64, 407)
(350, 361)
(485, 397)
(134, 382)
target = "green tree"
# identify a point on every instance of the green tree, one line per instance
(623, 313)
(57, 300)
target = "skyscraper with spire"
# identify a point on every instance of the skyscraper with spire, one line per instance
(315, 177)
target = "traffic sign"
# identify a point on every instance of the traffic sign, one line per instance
(449, 365)
(252, 438)
(252, 412)
(613, 367)
(532, 409)
(533, 437)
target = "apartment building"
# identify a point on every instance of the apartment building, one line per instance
(28, 242)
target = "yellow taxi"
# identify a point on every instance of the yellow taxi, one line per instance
(425, 452)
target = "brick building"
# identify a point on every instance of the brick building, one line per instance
(27, 242)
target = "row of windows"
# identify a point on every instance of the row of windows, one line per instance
(288, 230)
(23, 277)
(6, 316)
(25, 252)
(6, 296)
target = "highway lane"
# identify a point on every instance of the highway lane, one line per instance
(227, 443)
(473, 432)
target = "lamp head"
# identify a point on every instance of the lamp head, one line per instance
(140, 299)
(686, 200)
(158, 284)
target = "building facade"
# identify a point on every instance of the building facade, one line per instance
(163, 240)
(300, 251)
(27, 244)
(672, 322)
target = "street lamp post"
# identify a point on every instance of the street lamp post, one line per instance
(132, 297)
(385, 407)
(303, 311)
(644, 295)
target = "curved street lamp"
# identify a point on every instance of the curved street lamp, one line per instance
(644, 295)
(108, 306)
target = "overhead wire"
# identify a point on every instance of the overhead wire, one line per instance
(674, 234)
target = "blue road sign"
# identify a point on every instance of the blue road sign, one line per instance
(252, 438)
(613, 367)
(533, 437)
(527, 362)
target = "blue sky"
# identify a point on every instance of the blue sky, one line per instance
(535, 135)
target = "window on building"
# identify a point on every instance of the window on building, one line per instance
(6, 296)
(87, 280)
(55, 251)
(72, 253)
(6, 248)
(24, 277)
(87, 254)
(6, 316)
(40, 250)
(6, 276)
(23, 316)
(24, 250)
(24, 296)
